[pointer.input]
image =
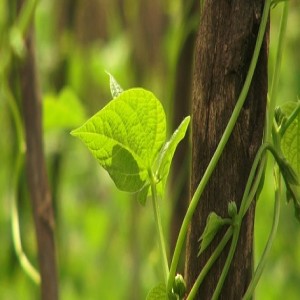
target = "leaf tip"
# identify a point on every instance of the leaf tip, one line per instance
(74, 132)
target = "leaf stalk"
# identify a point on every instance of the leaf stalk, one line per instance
(161, 240)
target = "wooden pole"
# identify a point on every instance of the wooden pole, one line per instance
(226, 39)
(36, 173)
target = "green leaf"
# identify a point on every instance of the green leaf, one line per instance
(293, 193)
(143, 194)
(167, 152)
(159, 292)
(63, 111)
(213, 225)
(290, 141)
(288, 172)
(115, 87)
(290, 144)
(126, 136)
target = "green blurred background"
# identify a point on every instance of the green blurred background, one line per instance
(106, 241)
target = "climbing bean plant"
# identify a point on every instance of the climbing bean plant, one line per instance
(128, 139)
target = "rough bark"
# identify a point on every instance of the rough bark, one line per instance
(36, 173)
(224, 47)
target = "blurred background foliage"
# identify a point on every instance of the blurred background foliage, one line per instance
(106, 242)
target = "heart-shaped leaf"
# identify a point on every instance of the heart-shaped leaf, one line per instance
(126, 136)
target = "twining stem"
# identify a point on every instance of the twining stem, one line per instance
(251, 187)
(267, 249)
(220, 148)
(235, 238)
(15, 113)
(255, 186)
(273, 94)
(161, 240)
(24, 262)
(248, 196)
(275, 79)
(249, 193)
(16, 237)
(26, 15)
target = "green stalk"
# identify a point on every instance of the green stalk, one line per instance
(16, 236)
(220, 148)
(26, 15)
(249, 193)
(275, 78)
(15, 114)
(251, 188)
(235, 238)
(209, 264)
(255, 185)
(24, 19)
(267, 249)
(24, 262)
(272, 104)
(157, 217)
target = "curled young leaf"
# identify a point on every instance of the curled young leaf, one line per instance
(166, 154)
(213, 225)
(179, 286)
(115, 87)
(232, 209)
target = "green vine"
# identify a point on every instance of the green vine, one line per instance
(13, 45)
(262, 263)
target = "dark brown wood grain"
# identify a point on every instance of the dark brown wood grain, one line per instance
(36, 173)
(224, 47)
